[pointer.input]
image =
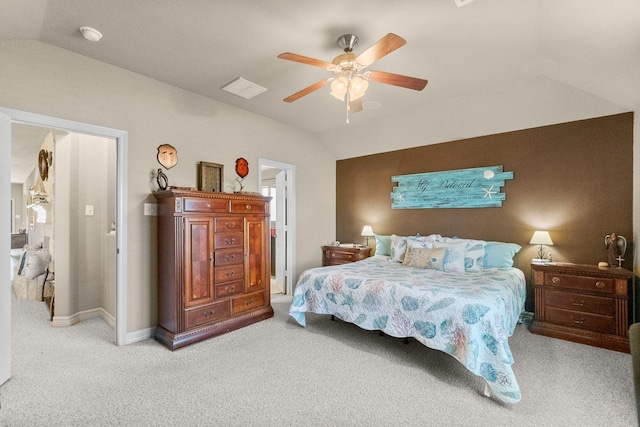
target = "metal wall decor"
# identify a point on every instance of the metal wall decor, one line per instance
(462, 188)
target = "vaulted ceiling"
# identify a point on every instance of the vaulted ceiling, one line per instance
(495, 50)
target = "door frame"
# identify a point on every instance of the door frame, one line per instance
(290, 195)
(121, 138)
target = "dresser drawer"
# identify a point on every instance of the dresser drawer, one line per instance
(247, 302)
(228, 273)
(228, 257)
(228, 289)
(205, 205)
(228, 224)
(594, 284)
(576, 319)
(249, 206)
(206, 314)
(228, 240)
(578, 302)
(337, 256)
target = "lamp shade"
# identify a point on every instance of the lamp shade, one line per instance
(541, 238)
(367, 231)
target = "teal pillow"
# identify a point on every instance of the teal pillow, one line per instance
(499, 254)
(383, 245)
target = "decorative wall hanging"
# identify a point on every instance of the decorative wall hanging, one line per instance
(242, 169)
(210, 176)
(463, 188)
(43, 164)
(167, 156)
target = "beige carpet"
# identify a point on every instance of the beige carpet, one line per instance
(276, 373)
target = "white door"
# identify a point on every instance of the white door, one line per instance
(5, 242)
(281, 228)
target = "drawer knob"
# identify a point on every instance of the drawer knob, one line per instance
(230, 241)
(230, 289)
(577, 303)
(208, 205)
(231, 273)
(208, 313)
(555, 280)
(599, 284)
(230, 257)
(248, 207)
(229, 224)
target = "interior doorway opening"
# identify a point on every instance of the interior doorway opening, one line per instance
(277, 180)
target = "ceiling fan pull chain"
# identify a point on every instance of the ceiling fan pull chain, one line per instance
(348, 101)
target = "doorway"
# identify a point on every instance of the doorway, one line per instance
(277, 180)
(9, 116)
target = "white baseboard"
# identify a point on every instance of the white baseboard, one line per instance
(139, 335)
(132, 337)
(66, 321)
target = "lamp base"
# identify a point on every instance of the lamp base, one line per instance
(540, 261)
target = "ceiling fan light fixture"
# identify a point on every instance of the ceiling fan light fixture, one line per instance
(339, 87)
(357, 88)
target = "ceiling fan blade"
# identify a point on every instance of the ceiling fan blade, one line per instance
(306, 60)
(355, 106)
(382, 47)
(397, 80)
(306, 90)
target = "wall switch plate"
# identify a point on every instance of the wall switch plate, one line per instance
(88, 210)
(150, 209)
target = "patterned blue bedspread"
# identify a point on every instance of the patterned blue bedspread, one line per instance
(467, 315)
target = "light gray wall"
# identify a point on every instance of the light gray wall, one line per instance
(43, 79)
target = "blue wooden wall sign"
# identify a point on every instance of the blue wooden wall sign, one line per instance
(463, 188)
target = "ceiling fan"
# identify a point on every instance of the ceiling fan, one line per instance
(350, 80)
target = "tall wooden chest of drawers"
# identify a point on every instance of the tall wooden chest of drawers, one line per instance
(582, 303)
(214, 264)
(336, 255)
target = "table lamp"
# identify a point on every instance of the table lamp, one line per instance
(367, 232)
(541, 238)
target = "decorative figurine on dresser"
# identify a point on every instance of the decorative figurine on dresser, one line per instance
(213, 264)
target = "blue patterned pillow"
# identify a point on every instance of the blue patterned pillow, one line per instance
(398, 247)
(383, 245)
(454, 258)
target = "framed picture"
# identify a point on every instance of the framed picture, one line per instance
(210, 176)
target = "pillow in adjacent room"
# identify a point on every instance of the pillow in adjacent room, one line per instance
(36, 263)
(454, 257)
(500, 254)
(383, 245)
(425, 258)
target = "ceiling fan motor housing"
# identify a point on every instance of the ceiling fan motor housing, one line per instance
(347, 42)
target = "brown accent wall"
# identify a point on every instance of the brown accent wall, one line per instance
(573, 179)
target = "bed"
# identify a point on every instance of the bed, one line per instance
(468, 313)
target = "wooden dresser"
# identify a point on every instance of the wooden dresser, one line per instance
(213, 264)
(335, 255)
(582, 303)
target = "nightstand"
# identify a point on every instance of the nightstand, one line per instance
(582, 303)
(336, 255)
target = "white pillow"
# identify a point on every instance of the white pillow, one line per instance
(36, 263)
